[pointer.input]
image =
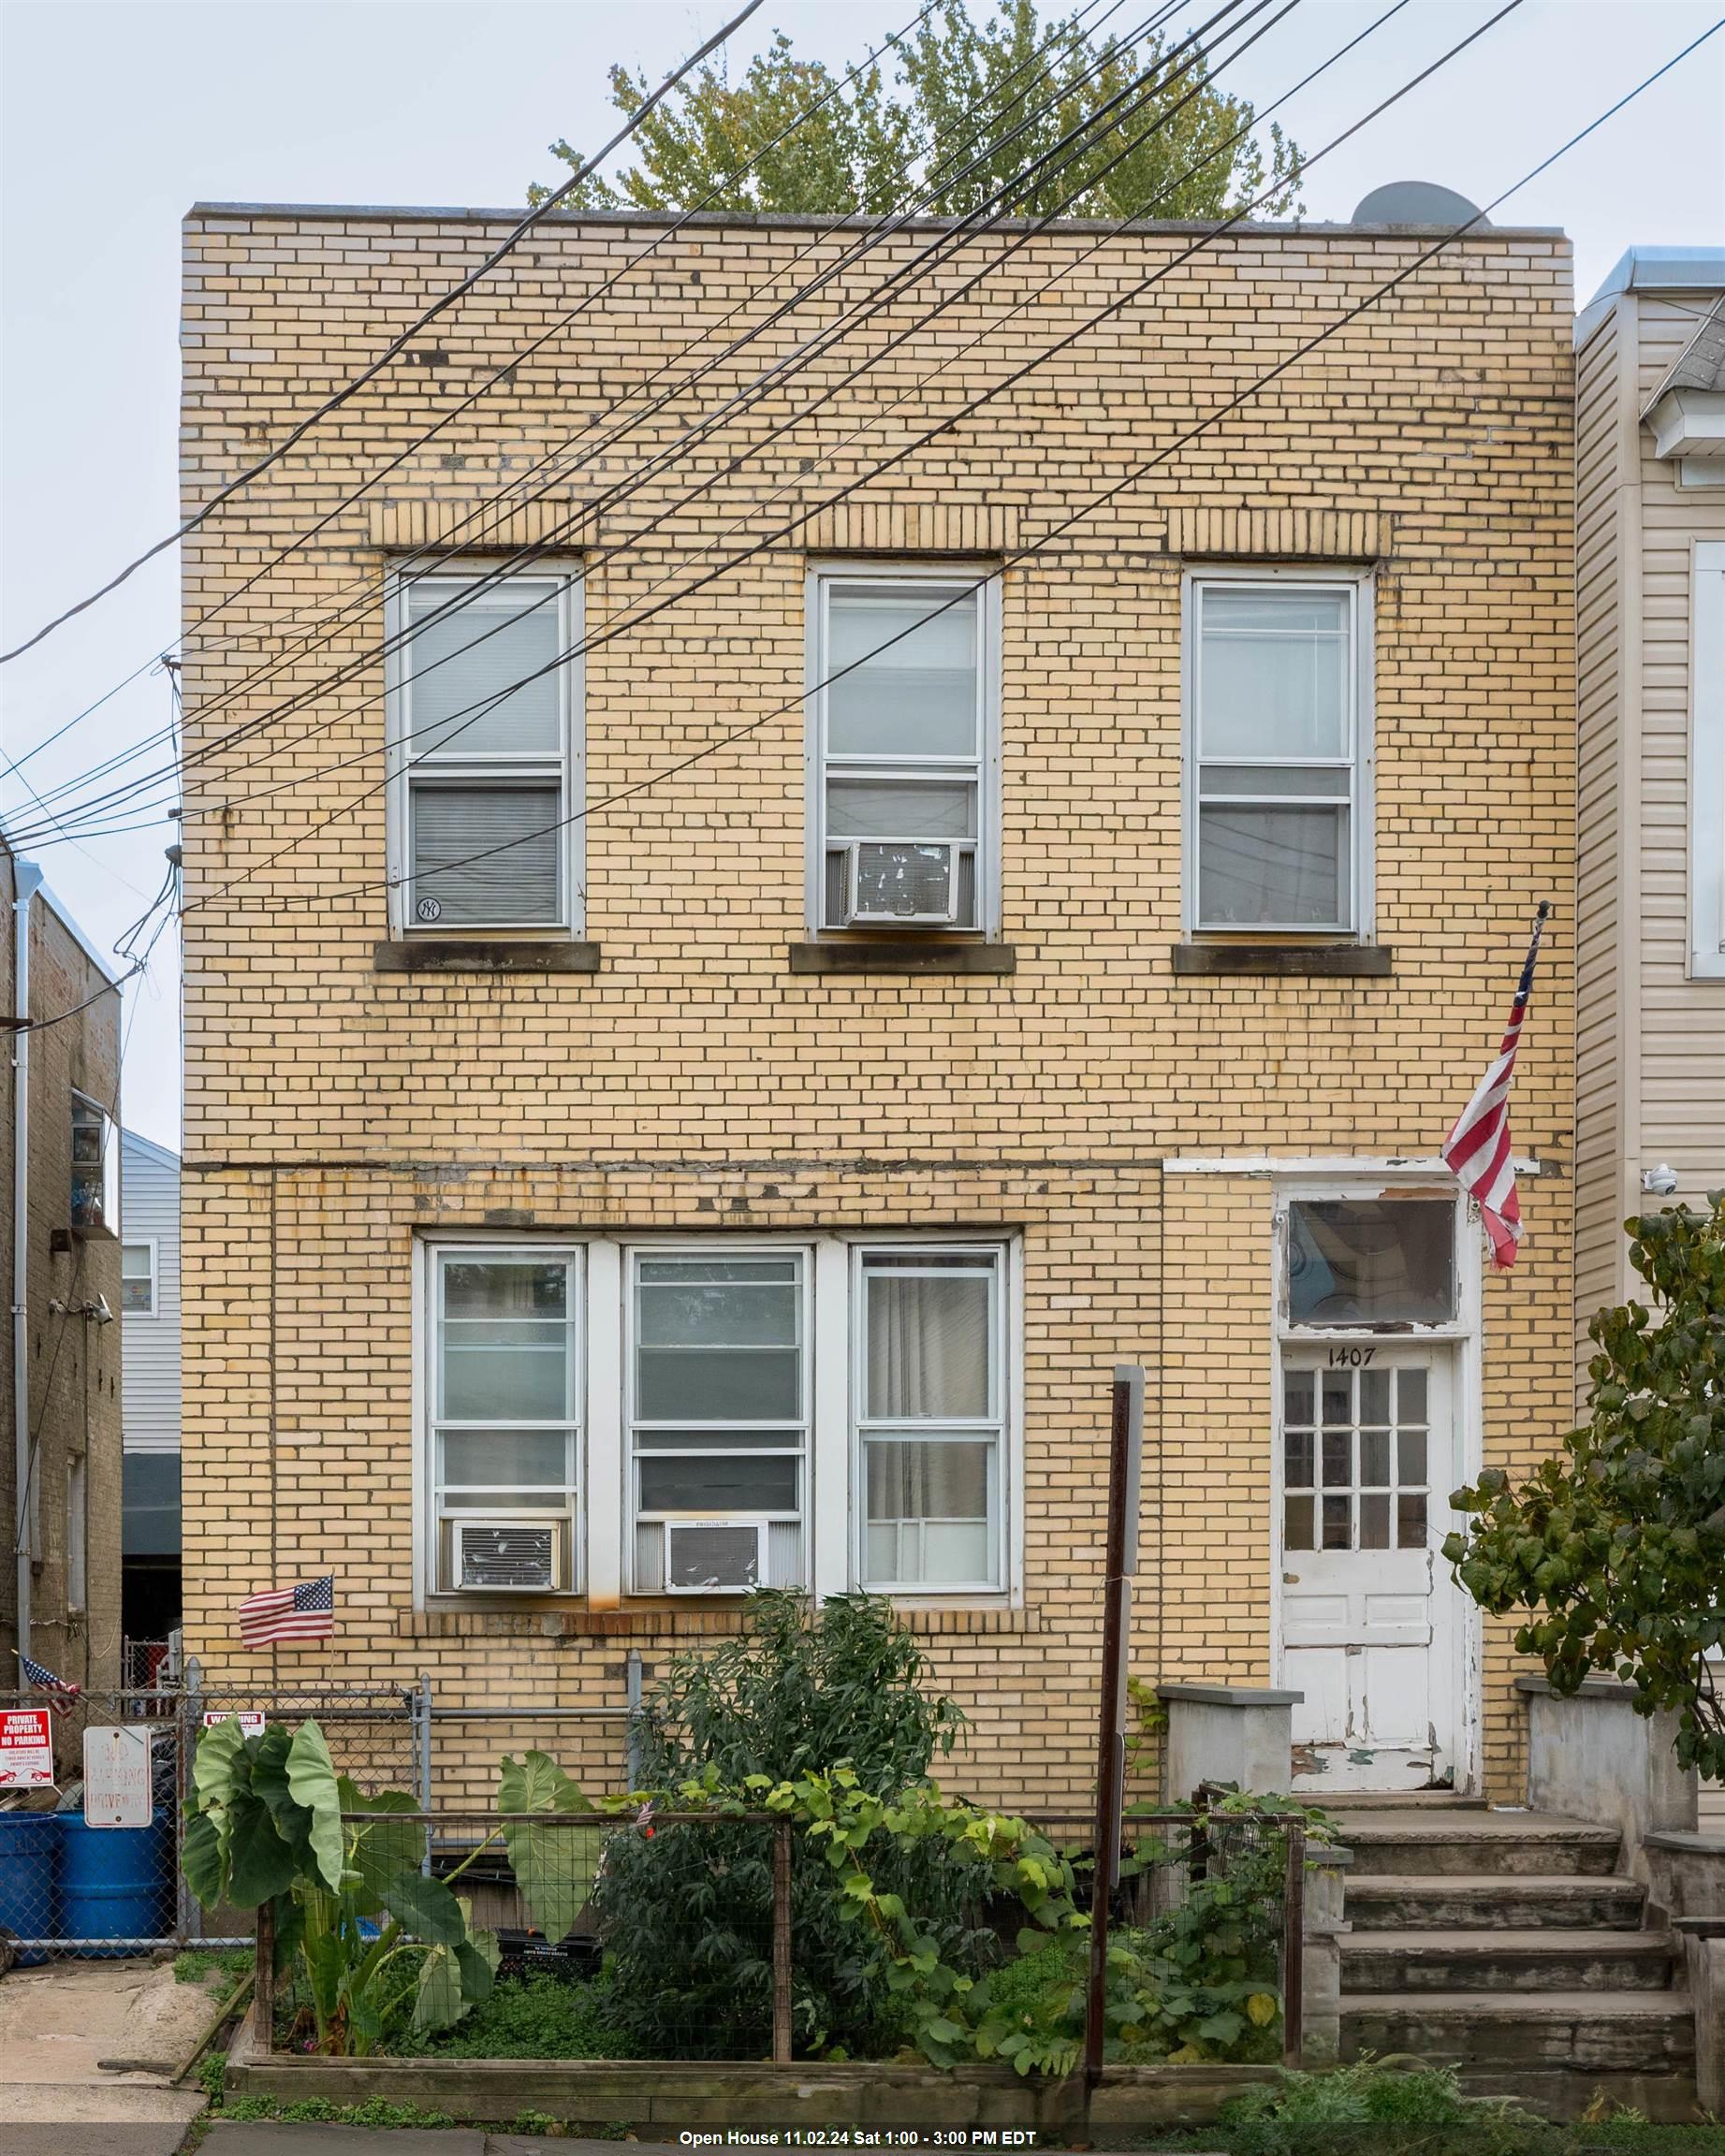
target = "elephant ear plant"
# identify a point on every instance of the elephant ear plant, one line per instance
(373, 1941)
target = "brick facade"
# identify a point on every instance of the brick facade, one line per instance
(336, 1109)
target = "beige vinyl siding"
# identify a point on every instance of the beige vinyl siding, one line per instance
(1597, 640)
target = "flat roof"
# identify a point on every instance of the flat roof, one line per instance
(1654, 269)
(391, 214)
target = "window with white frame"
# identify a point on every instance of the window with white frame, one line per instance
(138, 1280)
(484, 753)
(1708, 765)
(904, 712)
(718, 1403)
(1278, 752)
(928, 1385)
(505, 1392)
(95, 1194)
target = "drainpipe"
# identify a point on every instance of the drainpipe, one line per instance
(26, 880)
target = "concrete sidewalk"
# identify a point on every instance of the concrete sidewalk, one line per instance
(58, 2024)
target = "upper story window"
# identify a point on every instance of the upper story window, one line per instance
(485, 755)
(503, 1390)
(138, 1280)
(905, 722)
(1708, 765)
(95, 1195)
(1278, 752)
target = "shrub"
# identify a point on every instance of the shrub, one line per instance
(536, 2017)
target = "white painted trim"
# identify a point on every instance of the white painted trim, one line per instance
(831, 1502)
(605, 1509)
(1335, 1166)
(152, 1244)
(1707, 762)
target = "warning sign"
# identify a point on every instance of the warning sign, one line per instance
(250, 1719)
(26, 1748)
(117, 1777)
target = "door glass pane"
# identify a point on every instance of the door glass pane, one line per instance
(1375, 1520)
(1410, 1520)
(1337, 1459)
(1298, 1386)
(915, 692)
(927, 1351)
(1338, 1397)
(506, 1459)
(1385, 1261)
(1374, 1459)
(483, 679)
(718, 1483)
(899, 808)
(1285, 867)
(1337, 1524)
(1298, 1522)
(1374, 1397)
(1411, 1397)
(1273, 671)
(1412, 1448)
(1297, 1472)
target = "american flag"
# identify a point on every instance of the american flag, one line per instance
(1477, 1150)
(303, 1612)
(39, 1680)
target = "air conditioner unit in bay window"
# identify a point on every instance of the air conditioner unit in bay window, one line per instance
(508, 1556)
(902, 881)
(715, 1556)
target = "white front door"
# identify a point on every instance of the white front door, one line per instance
(1369, 1617)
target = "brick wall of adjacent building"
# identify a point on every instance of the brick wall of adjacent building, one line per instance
(333, 1110)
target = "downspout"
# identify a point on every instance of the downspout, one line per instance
(28, 879)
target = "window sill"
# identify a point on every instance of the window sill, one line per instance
(1285, 958)
(903, 954)
(444, 954)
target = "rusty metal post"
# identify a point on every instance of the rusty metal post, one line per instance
(1293, 1949)
(1120, 1560)
(781, 1943)
(263, 1990)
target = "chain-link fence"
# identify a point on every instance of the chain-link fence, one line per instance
(697, 1937)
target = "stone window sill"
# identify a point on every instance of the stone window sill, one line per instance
(1285, 958)
(444, 954)
(902, 954)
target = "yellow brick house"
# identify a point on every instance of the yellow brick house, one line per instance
(696, 1079)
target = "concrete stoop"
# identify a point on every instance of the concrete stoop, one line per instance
(1508, 1944)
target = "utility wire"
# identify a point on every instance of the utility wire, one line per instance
(397, 345)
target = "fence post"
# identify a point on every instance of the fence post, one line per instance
(263, 1986)
(185, 1749)
(781, 1943)
(1293, 1949)
(632, 1681)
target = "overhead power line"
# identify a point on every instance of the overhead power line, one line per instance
(399, 344)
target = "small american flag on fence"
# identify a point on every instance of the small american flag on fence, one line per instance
(1477, 1150)
(60, 1693)
(306, 1611)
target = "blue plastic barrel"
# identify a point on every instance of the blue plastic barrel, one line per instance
(29, 1845)
(116, 1883)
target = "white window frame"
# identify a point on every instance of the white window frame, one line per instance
(108, 1225)
(1361, 761)
(148, 1244)
(568, 767)
(709, 1249)
(984, 767)
(572, 1508)
(1707, 762)
(996, 1426)
(601, 1521)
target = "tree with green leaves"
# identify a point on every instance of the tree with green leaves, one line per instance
(969, 108)
(1617, 1545)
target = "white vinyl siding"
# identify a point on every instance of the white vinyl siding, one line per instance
(1707, 765)
(484, 739)
(904, 717)
(149, 1341)
(1278, 752)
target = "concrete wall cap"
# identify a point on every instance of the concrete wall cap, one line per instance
(1229, 1694)
(1591, 1688)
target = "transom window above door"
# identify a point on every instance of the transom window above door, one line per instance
(1359, 1262)
(905, 722)
(1279, 740)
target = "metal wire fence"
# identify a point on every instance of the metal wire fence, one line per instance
(697, 1937)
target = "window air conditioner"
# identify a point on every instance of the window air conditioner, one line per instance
(895, 881)
(715, 1556)
(508, 1556)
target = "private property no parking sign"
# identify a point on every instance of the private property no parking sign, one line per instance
(26, 1748)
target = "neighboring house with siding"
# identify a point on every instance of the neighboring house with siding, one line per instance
(597, 1206)
(149, 1394)
(60, 1349)
(1650, 630)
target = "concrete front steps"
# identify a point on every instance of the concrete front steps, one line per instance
(1506, 1944)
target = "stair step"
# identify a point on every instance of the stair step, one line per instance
(1492, 1901)
(1645, 2031)
(1494, 1961)
(1476, 1842)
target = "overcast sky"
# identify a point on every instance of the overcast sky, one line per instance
(117, 118)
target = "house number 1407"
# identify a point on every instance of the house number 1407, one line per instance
(1351, 1357)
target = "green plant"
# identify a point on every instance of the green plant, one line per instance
(1374, 2098)
(536, 2017)
(212, 2076)
(1618, 1543)
(216, 1966)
